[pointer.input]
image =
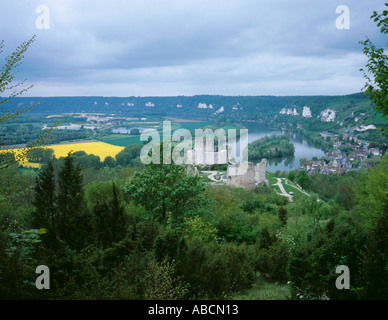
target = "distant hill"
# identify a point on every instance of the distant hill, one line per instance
(318, 112)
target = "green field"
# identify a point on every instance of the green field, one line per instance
(123, 140)
(272, 180)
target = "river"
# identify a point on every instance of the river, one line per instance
(303, 149)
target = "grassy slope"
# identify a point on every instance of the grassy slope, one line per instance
(264, 290)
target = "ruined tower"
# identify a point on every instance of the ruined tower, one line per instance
(253, 177)
(260, 169)
(246, 181)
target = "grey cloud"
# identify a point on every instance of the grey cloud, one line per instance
(218, 46)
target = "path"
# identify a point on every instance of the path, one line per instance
(296, 187)
(280, 185)
(211, 174)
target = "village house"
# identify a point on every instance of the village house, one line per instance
(341, 163)
(333, 154)
(332, 170)
(356, 156)
(375, 152)
(348, 154)
(337, 144)
(313, 166)
(326, 134)
(350, 137)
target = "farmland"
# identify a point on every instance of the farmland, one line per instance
(97, 148)
(123, 140)
(74, 134)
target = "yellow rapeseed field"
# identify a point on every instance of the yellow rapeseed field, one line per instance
(100, 149)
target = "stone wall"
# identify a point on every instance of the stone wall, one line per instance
(246, 181)
(254, 176)
(260, 169)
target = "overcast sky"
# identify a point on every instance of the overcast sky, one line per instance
(188, 47)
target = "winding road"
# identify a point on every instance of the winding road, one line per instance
(211, 175)
(280, 185)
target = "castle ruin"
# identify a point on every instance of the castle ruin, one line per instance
(237, 175)
(253, 177)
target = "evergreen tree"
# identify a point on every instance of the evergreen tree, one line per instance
(74, 223)
(265, 239)
(282, 213)
(172, 246)
(44, 202)
(111, 222)
(119, 219)
(103, 230)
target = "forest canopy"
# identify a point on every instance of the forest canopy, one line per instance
(273, 146)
